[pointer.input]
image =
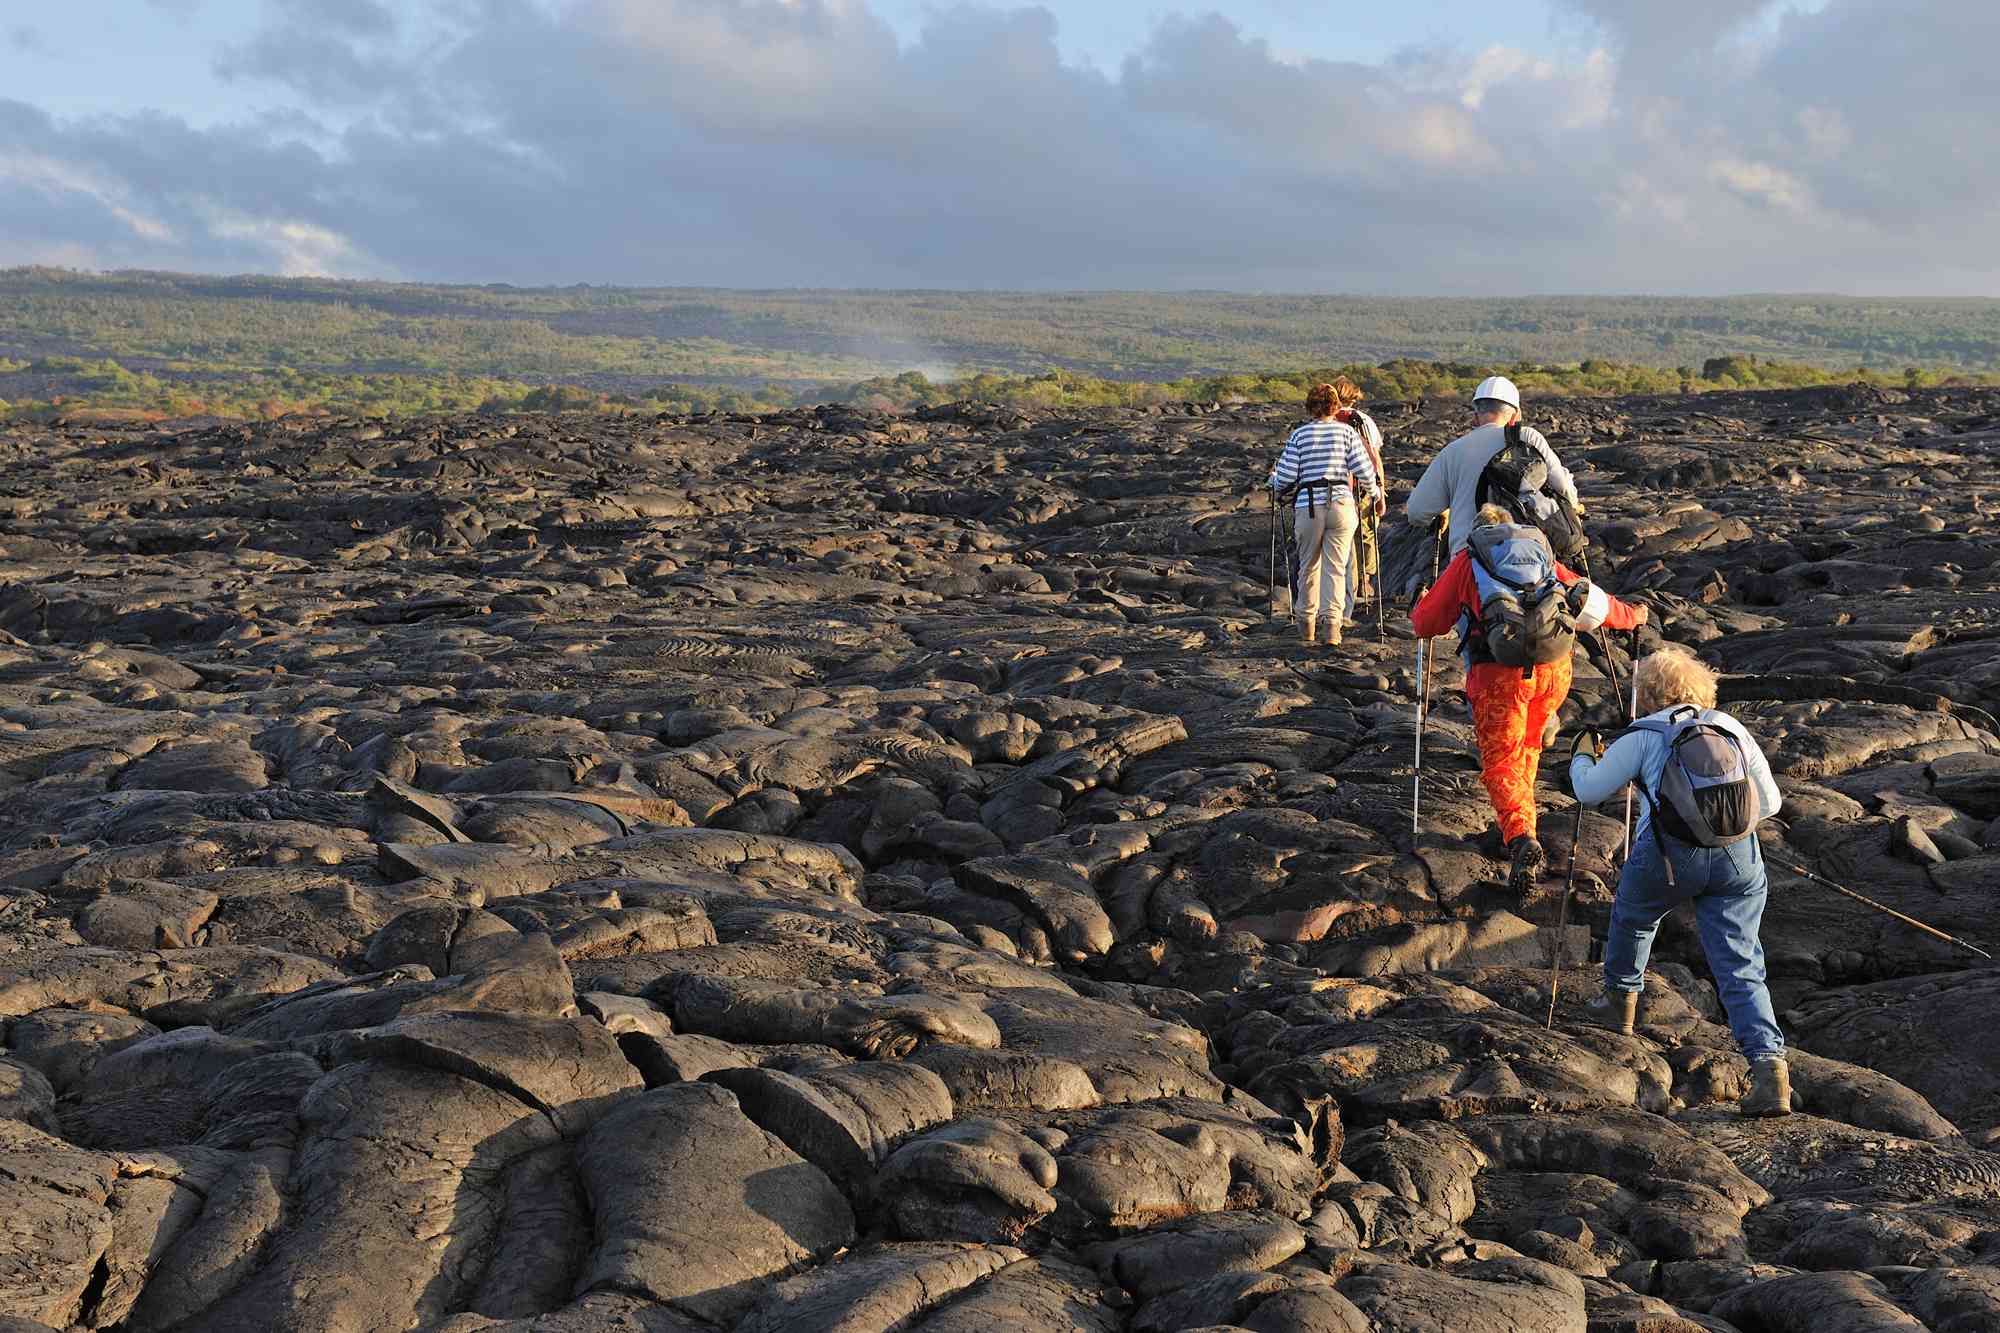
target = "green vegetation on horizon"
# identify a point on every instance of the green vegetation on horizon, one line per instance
(1391, 381)
(107, 388)
(175, 345)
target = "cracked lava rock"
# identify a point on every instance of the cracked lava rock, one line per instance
(844, 872)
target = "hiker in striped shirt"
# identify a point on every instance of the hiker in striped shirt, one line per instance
(1325, 459)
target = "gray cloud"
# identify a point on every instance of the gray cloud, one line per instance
(1665, 31)
(330, 53)
(796, 142)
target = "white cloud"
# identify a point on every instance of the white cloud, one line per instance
(50, 176)
(799, 142)
(1762, 183)
(296, 249)
(1569, 95)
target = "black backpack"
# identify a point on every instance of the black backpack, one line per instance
(1517, 479)
(1705, 797)
(1525, 617)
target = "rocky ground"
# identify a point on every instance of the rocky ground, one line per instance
(839, 872)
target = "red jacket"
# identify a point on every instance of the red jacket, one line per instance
(1456, 593)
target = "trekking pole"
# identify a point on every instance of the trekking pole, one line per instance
(1911, 921)
(1562, 918)
(1605, 647)
(1631, 716)
(1375, 558)
(1428, 657)
(1273, 497)
(1425, 661)
(1610, 654)
(1417, 782)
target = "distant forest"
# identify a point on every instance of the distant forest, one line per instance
(160, 344)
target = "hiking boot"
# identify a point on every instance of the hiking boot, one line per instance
(1549, 731)
(1332, 636)
(1615, 1009)
(1770, 1087)
(1308, 634)
(1526, 867)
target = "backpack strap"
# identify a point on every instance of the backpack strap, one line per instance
(1472, 627)
(1508, 439)
(1656, 827)
(1312, 490)
(1290, 495)
(1646, 726)
(1665, 731)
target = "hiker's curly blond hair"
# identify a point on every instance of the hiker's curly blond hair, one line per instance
(1492, 516)
(1346, 392)
(1671, 677)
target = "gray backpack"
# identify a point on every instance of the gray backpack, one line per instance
(1525, 620)
(1705, 796)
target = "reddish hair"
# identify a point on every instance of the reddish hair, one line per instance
(1321, 399)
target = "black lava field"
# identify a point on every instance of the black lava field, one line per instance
(837, 872)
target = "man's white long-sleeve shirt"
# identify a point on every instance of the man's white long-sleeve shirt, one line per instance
(1452, 480)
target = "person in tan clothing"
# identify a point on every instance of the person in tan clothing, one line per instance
(1323, 462)
(1366, 566)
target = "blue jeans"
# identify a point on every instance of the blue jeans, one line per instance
(1728, 887)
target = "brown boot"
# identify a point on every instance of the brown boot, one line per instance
(1525, 864)
(1332, 636)
(1770, 1087)
(1615, 1009)
(1308, 634)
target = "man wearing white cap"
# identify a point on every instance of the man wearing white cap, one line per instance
(1451, 482)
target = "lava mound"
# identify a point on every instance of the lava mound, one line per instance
(850, 872)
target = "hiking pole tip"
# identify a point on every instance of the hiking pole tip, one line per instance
(1815, 877)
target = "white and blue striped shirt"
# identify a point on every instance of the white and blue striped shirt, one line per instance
(1324, 450)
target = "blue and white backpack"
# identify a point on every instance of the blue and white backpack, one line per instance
(1525, 619)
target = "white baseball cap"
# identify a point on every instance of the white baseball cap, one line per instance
(1500, 389)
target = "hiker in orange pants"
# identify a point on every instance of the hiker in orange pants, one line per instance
(1513, 708)
(1510, 713)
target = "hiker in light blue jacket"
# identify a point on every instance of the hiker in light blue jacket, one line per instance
(1704, 785)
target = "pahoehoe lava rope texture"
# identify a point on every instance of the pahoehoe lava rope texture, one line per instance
(838, 869)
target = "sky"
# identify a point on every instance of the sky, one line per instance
(1423, 147)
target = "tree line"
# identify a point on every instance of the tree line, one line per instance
(171, 345)
(106, 390)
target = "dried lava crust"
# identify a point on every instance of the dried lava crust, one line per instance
(834, 871)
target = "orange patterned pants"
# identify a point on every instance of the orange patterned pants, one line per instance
(1509, 711)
